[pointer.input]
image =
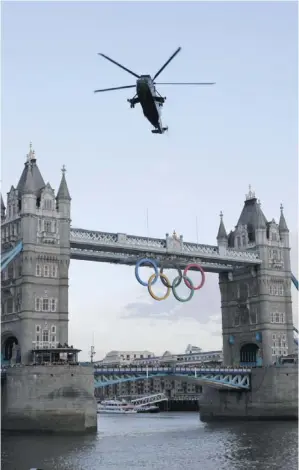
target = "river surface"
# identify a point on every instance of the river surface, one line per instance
(164, 441)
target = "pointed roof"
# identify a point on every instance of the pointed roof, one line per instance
(63, 191)
(282, 221)
(221, 231)
(28, 187)
(2, 204)
(252, 214)
(37, 182)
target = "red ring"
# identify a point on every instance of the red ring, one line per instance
(203, 277)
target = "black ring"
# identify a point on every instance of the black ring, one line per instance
(169, 265)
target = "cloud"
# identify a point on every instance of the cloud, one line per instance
(203, 307)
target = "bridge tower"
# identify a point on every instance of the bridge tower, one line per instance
(257, 321)
(35, 284)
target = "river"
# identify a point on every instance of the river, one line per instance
(163, 441)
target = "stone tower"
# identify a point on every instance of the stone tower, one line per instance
(34, 310)
(257, 319)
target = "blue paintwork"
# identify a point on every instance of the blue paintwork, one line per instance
(8, 257)
(295, 281)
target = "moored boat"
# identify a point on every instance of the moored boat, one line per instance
(116, 407)
(148, 409)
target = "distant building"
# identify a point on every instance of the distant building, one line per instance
(118, 358)
(194, 356)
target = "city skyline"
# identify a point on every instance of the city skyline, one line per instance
(220, 140)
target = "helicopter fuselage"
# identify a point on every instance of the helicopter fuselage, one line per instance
(150, 102)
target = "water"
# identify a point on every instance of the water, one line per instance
(159, 442)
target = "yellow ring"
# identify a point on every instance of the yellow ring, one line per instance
(153, 276)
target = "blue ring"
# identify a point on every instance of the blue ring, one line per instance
(153, 264)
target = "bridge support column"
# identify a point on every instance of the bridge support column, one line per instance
(273, 396)
(49, 399)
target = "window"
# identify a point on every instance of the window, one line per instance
(47, 226)
(45, 336)
(45, 305)
(274, 236)
(46, 270)
(37, 328)
(37, 338)
(53, 329)
(53, 270)
(53, 305)
(38, 304)
(48, 204)
(10, 305)
(38, 270)
(10, 271)
(53, 339)
(243, 240)
(276, 288)
(238, 242)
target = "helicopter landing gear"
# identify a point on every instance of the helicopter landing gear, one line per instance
(133, 101)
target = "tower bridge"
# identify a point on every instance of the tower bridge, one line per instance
(38, 242)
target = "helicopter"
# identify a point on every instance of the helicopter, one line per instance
(146, 93)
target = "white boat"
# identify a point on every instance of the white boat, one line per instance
(116, 407)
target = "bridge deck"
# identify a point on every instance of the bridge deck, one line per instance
(120, 248)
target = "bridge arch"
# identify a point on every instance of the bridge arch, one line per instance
(8, 341)
(250, 354)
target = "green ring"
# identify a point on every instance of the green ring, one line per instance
(176, 283)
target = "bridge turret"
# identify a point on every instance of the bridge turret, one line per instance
(283, 229)
(35, 313)
(256, 304)
(222, 238)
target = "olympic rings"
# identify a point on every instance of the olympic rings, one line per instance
(150, 262)
(151, 281)
(203, 277)
(174, 285)
(165, 281)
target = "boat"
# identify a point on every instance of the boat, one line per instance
(148, 409)
(116, 407)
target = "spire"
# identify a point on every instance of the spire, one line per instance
(250, 195)
(282, 221)
(63, 192)
(222, 235)
(31, 155)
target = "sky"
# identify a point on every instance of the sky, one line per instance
(221, 138)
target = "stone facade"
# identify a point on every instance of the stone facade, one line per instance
(257, 321)
(35, 284)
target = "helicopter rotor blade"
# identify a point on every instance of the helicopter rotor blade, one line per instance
(115, 88)
(186, 83)
(119, 65)
(166, 63)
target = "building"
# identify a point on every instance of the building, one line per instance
(119, 358)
